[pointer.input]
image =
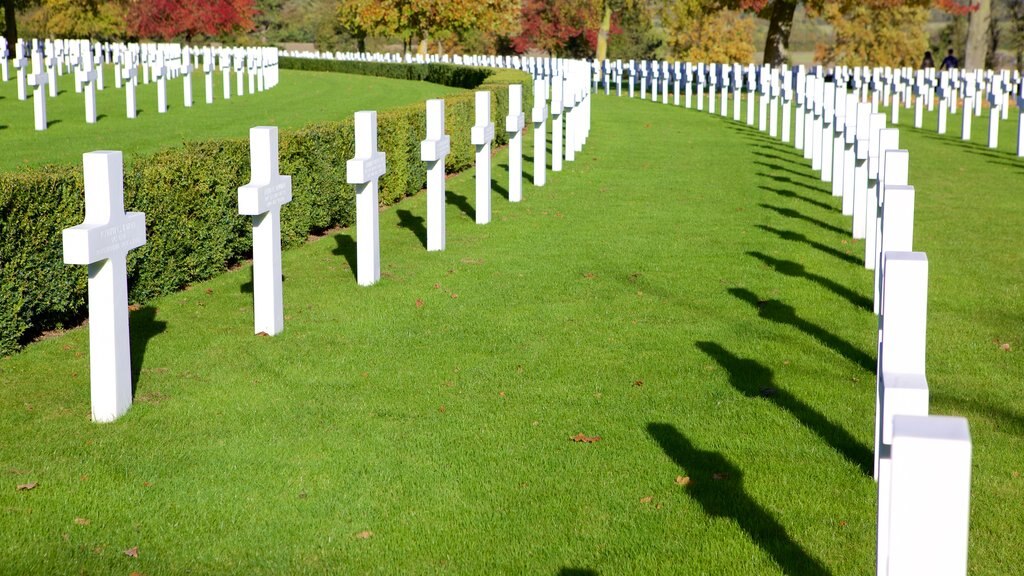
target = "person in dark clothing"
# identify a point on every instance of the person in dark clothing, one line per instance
(928, 62)
(950, 61)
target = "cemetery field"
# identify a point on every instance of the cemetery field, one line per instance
(662, 362)
(300, 98)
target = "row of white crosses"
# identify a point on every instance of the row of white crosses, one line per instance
(161, 62)
(108, 233)
(922, 462)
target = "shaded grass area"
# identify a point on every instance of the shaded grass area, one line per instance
(300, 98)
(699, 309)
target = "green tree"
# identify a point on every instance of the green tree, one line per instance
(94, 19)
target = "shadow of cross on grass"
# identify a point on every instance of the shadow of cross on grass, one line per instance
(717, 485)
(414, 224)
(755, 380)
(142, 327)
(790, 213)
(797, 270)
(783, 313)
(798, 237)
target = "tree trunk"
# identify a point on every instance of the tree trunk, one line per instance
(776, 46)
(977, 36)
(10, 27)
(602, 33)
(424, 46)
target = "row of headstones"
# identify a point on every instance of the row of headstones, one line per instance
(893, 87)
(107, 234)
(163, 62)
(922, 462)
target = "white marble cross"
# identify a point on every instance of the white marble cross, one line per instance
(514, 123)
(21, 64)
(801, 82)
(1020, 120)
(262, 198)
(540, 122)
(860, 169)
(208, 73)
(186, 72)
(130, 74)
(37, 80)
(365, 170)
(239, 62)
(929, 500)
(433, 151)
(225, 66)
(97, 61)
(481, 136)
(51, 63)
(828, 116)
(160, 73)
(995, 100)
(4, 75)
(556, 122)
(102, 242)
(86, 76)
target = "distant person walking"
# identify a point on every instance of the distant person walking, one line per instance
(928, 62)
(950, 62)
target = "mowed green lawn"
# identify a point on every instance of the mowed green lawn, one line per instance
(686, 291)
(299, 99)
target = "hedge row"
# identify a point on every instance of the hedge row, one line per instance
(189, 195)
(444, 74)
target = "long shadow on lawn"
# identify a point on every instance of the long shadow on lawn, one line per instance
(790, 181)
(142, 327)
(1002, 418)
(413, 223)
(797, 270)
(461, 202)
(777, 311)
(577, 572)
(755, 380)
(718, 487)
(795, 196)
(993, 157)
(798, 237)
(499, 188)
(790, 213)
(780, 168)
(346, 247)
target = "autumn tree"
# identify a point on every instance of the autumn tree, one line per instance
(168, 19)
(562, 28)
(423, 21)
(95, 19)
(703, 30)
(11, 21)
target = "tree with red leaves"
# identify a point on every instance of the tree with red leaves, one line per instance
(166, 19)
(562, 27)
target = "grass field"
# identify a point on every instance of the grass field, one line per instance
(686, 290)
(299, 99)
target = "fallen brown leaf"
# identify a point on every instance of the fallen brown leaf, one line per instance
(134, 308)
(720, 475)
(147, 484)
(419, 303)
(132, 552)
(581, 437)
(82, 521)
(441, 409)
(842, 523)
(364, 535)
(454, 295)
(1005, 347)
(262, 334)
(1015, 474)
(646, 499)
(589, 275)
(437, 286)
(28, 486)
(682, 480)
(502, 394)
(638, 383)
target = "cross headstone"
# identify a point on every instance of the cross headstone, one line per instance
(365, 170)
(514, 123)
(262, 198)
(888, 140)
(239, 62)
(828, 116)
(102, 242)
(4, 74)
(852, 103)
(38, 81)
(481, 136)
(801, 82)
(860, 170)
(540, 121)
(433, 151)
(208, 73)
(225, 66)
(97, 65)
(556, 122)
(130, 74)
(86, 76)
(160, 73)
(571, 113)
(838, 139)
(51, 63)
(186, 72)
(21, 64)
(929, 499)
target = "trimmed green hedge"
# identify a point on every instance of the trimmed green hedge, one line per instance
(189, 195)
(444, 74)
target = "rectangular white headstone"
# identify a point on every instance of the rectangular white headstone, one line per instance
(102, 242)
(540, 121)
(929, 512)
(365, 170)
(262, 198)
